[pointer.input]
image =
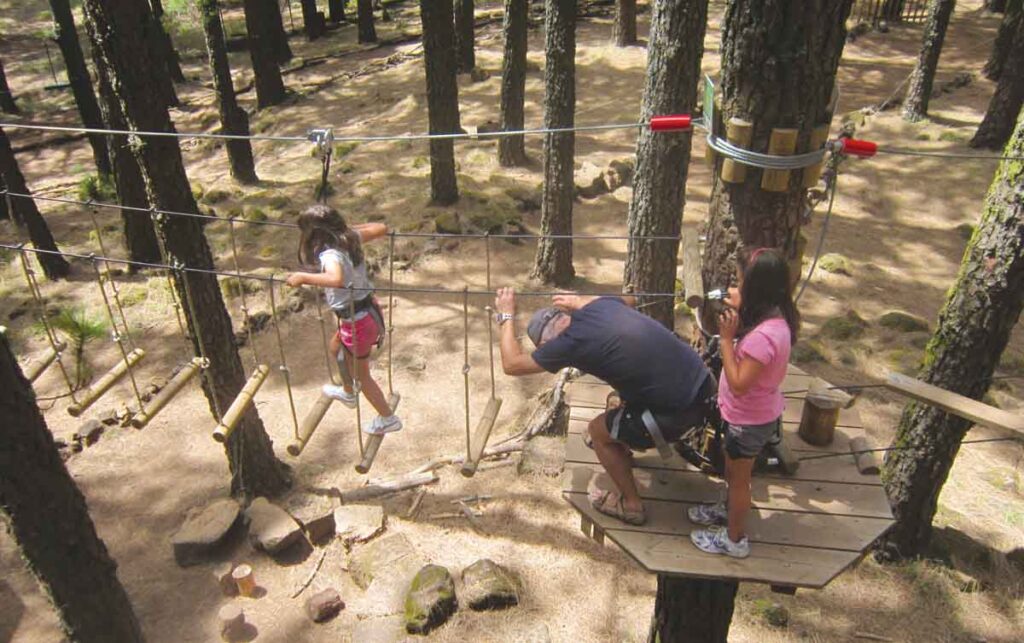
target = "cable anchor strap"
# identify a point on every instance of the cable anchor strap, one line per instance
(323, 141)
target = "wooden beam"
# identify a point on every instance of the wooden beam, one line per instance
(483, 432)
(103, 384)
(965, 407)
(693, 284)
(230, 419)
(309, 424)
(374, 441)
(165, 395)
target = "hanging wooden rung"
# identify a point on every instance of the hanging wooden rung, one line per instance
(373, 443)
(103, 384)
(234, 413)
(167, 393)
(309, 424)
(483, 432)
(33, 372)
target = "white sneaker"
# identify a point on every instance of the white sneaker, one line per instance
(716, 541)
(708, 515)
(339, 393)
(382, 425)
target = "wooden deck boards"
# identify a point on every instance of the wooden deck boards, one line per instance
(804, 529)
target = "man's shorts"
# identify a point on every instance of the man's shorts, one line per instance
(626, 423)
(748, 441)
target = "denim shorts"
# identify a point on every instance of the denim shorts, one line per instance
(747, 441)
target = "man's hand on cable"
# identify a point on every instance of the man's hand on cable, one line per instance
(505, 301)
(567, 301)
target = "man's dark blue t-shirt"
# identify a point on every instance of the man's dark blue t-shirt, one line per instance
(639, 357)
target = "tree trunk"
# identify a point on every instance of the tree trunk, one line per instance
(996, 6)
(139, 236)
(674, 52)
(164, 44)
(337, 10)
(312, 21)
(776, 73)
(48, 517)
(893, 10)
(273, 30)
(1010, 25)
(81, 83)
(997, 126)
(26, 212)
(512, 149)
(624, 31)
(972, 331)
(233, 119)
(364, 9)
(919, 91)
(264, 51)
(442, 96)
(692, 610)
(254, 468)
(7, 103)
(553, 264)
(465, 56)
(5, 211)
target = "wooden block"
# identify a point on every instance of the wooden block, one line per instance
(820, 414)
(586, 526)
(738, 132)
(244, 579)
(232, 622)
(865, 459)
(782, 143)
(693, 283)
(956, 404)
(812, 174)
(598, 535)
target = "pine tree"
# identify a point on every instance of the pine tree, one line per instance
(1005, 105)
(465, 56)
(512, 149)
(364, 15)
(919, 91)
(1010, 25)
(624, 31)
(312, 20)
(442, 96)
(264, 49)
(7, 103)
(164, 44)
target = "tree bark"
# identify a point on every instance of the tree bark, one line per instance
(776, 73)
(553, 264)
(919, 91)
(512, 149)
(255, 471)
(337, 10)
(442, 96)
(312, 21)
(275, 33)
(81, 83)
(893, 10)
(164, 44)
(692, 610)
(233, 118)
(265, 52)
(973, 329)
(48, 517)
(7, 103)
(996, 6)
(674, 52)
(364, 9)
(465, 56)
(1010, 25)
(624, 31)
(139, 236)
(25, 211)
(997, 126)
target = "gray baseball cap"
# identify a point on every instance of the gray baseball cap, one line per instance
(539, 321)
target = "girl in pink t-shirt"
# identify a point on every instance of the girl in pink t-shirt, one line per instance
(763, 317)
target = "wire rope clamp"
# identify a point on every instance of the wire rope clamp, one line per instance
(855, 147)
(323, 141)
(671, 123)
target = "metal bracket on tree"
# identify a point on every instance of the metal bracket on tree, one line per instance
(323, 140)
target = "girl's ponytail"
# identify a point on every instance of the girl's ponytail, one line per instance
(323, 228)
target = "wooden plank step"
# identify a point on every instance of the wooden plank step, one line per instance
(841, 469)
(764, 526)
(774, 564)
(838, 499)
(965, 407)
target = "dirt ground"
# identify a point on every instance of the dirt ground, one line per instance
(896, 221)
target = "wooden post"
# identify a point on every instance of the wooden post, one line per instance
(373, 443)
(103, 384)
(234, 413)
(696, 610)
(865, 459)
(813, 173)
(222, 574)
(35, 370)
(586, 526)
(782, 143)
(483, 432)
(738, 132)
(821, 412)
(598, 535)
(788, 461)
(693, 284)
(165, 395)
(232, 622)
(309, 424)
(245, 580)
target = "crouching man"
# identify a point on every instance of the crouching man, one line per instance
(661, 380)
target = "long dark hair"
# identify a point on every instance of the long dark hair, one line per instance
(323, 228)
(767, 289)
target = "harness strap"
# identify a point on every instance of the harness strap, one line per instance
(655, 431)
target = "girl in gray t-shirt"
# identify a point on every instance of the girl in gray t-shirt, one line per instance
(336, 250)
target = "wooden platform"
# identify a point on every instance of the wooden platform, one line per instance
(804, 530)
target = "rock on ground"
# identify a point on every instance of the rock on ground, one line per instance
(358, 523)
(315, 513)
(378, 557)
(487, 585)
(324, 605)
(902, 321)
(271, 528)
(430, 601)
(543, 455)
(204, 531)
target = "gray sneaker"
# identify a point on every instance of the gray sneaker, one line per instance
(382, 425)
(708, 515)
(339, 393)
(716, 541)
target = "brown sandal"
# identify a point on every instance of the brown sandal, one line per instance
(616, 509)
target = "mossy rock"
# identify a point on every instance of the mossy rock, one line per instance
(835, 264)
(774, 614)
(430, 600)
(448, 222)
(197, 191)
(953, 137)
(279, 201)
(341, 150)
(420, 162)
(904, 360)
(806, 351)
(233, 287)
(216, 196)
(918, 340)
(133, 297)
(965, 230)
(268, 252)
(903, 322)
(255, 214)
(487, 585)
(848, 326)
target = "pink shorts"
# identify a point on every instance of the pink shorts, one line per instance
(359, 338)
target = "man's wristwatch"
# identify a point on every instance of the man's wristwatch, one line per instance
(501, 318)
